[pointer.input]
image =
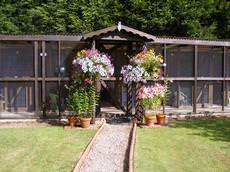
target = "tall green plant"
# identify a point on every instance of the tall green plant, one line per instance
(82, 100)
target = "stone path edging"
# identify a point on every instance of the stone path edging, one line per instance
(88, 148)
(132, 146)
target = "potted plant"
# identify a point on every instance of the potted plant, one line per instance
(89, 101)
(74, 105)
(151, 97)
(87, 67)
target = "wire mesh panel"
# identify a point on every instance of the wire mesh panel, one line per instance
(210, 61)
(16, 59)
(52, 96)
(158, 48)
(19, 96)
(68, 51)
(2, 98)
(227, 70)
(209, 96)
(227, 97)
(180, 94)
(51, 59)
(179, 60)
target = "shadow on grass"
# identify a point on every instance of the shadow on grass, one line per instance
(217, 129)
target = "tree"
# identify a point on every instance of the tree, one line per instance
(194, 18)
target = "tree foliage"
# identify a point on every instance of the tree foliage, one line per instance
(194, 18)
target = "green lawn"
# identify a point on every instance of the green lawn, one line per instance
(187, 146)
(42, 149)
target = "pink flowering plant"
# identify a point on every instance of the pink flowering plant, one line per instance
(150, 61)
(144, 65)
(92, 64)
(87, 67)
(152, 95)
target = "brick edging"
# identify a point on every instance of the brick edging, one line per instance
(132, 146)
(87, 149)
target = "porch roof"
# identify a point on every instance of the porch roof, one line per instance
(119, 28)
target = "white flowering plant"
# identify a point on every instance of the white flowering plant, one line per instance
(133, 73)
(143, 65)
(151, 62)
(88, 65)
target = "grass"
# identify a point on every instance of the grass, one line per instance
(187, 146)
(41, 148)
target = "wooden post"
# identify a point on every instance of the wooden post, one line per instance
(98, 90)
(139, 111)
(98, 107)
(178, 95)
(129, 99)
(164, 71)
(195, 78)
(36, 102)
(43, 54)
(210, 94)
(59, 80)
(224, 81)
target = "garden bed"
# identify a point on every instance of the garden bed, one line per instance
(194, 145)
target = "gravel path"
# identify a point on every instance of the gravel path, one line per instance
(108, 153)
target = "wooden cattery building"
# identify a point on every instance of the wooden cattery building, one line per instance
(30, 76)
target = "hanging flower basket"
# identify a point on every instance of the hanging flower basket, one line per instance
(150, 61)
(91, 64)
(133, 74)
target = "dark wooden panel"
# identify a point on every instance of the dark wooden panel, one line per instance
(195, 78)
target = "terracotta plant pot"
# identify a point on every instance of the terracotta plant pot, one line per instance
(72, 120)
(149, 120)
(85, 122)
(161, 119)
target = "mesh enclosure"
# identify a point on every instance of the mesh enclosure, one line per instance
(210, 61)
(180, 94)
(52, 96)
(16, 59)
(227, 65)
(179, 61)
(18, 96)
(209, 96)
(227, 94)
(68, 50)
(51, 59)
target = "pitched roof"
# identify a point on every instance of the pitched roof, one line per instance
(119, 28)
